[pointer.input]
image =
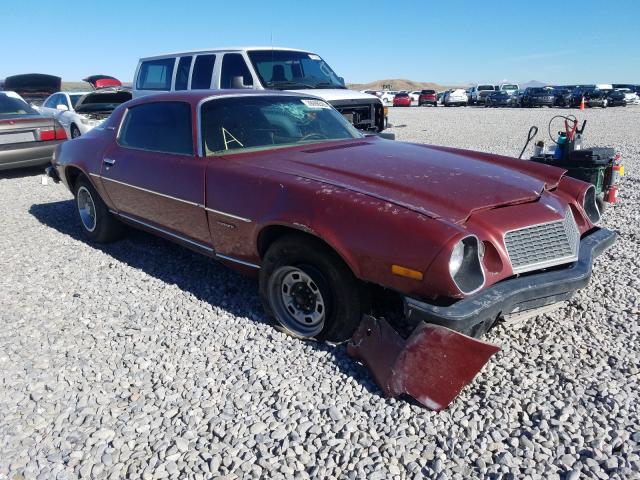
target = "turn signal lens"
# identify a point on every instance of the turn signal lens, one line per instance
(406, 272)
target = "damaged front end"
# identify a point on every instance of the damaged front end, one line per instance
(433, 365)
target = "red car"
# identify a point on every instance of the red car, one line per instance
(428, 97)
(402, 100)
(280, 185)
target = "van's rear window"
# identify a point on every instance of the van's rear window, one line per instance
(156, 74)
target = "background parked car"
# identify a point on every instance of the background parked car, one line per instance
(402, 100)
(537, 97)
(33, 87)
(630, 96)
(415, 95)
(80, 112)
(455, 98)
(428, 97)
(516, 98)
(510, 88)
(386, 97)
(561, 96)
(440, 97)
(27, 138)
(499, 98)
(593, 97)
(616, 98)
(479, 93)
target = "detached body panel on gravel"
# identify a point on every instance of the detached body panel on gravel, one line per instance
(437, 225)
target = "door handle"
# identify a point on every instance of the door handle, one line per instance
(109, 162)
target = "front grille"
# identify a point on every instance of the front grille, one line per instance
(544, 245)
(360, 112)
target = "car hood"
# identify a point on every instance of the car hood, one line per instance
(337, 94)
(436, 181)
(109, 97)
(102, 81)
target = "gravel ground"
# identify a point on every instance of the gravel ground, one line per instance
(143, 360)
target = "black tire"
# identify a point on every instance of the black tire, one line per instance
(600, 203)
(75, 131)
(336, 288)
(105, 227)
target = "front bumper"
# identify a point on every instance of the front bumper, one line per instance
(474, 315)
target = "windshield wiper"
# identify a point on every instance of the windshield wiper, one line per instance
(288, 84)
(329, 85)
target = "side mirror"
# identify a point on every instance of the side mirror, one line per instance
(62, 108)
(238, 82)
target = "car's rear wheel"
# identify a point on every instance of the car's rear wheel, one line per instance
(98, 224)
(75, 131)
(308, 290)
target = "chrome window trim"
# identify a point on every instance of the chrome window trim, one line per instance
(546, 263)
(127, 147)
(204, 100)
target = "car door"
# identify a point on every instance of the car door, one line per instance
(48, 108)
(152, 175)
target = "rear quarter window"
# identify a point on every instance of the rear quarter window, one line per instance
(203, 72)
(159, 127)
(156, 74)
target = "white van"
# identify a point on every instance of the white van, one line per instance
(258, 68)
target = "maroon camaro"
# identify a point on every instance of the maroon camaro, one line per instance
(281, 185)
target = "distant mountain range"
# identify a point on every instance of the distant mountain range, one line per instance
(409, 85)
(400, 84)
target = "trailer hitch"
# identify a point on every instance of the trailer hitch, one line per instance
(433, 365)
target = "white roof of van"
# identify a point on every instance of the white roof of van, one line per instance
(223, 49)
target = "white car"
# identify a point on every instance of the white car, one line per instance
(79, 112)
(387, 96)
(415, 95)
(630, 97)
(457, 97)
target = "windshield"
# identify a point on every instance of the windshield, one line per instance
(74, 97)
(484, 88)
(289, 70)
(262, 122)
(10, 107)
(509, 87)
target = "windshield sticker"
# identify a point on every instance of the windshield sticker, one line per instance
(313, 56)
(229, 139)
(315, 103)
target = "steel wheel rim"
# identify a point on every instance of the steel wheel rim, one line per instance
(86, 209)
(297, 301)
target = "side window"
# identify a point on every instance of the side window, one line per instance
(156, 74)
(63, 101)
(202, 72)
(51, 101)
(233, 65)
(160, 127)
(182, 74)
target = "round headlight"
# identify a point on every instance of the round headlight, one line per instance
(465, 266)
(590, 206)
(457, 255)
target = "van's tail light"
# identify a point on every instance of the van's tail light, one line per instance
(52, 133)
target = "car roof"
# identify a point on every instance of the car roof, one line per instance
(195, 96)
(224, 49)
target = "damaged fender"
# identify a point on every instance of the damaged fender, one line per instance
(433, 365)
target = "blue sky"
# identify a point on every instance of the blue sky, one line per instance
(554, 41)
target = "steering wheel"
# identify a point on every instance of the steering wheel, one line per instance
(316, 135)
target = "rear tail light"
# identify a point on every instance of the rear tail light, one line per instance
(52, 133)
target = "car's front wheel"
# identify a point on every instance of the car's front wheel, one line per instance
(308, 290)
(98, 224)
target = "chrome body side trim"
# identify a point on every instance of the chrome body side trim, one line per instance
(224, 214)
(165, 232)
(235, 260)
